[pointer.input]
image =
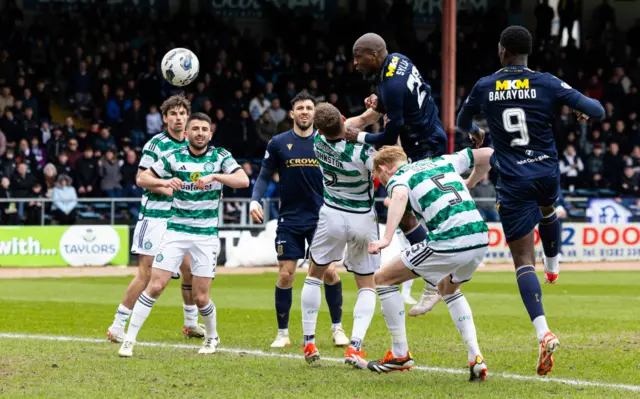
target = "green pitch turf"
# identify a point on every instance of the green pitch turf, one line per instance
(595, 314)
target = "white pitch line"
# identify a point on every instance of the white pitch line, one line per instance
(634, 388)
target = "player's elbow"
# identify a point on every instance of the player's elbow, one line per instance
(599, 110)
(244, 181)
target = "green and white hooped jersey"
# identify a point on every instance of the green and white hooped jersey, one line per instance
(193, 210)
(346, 168)
(154, 205)
(438, 196)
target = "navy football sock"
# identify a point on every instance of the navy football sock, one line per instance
(530, 291)
(333, 295)
(418, 234)
(283, 306)
(550, 234)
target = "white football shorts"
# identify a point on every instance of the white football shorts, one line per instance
(147, 236)
(433, 266)
(176, 245)
(339, 229)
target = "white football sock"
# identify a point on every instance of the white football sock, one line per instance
(540, 324)
(460, 312)
(310, 300)
(362, 315)
(190, 315)
(208, 314)
(392, 306)
(406, 288)
(140, 313)
(120, 319)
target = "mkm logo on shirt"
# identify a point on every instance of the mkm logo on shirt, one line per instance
(515, 84)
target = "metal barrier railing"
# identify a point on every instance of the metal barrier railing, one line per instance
(240, 204)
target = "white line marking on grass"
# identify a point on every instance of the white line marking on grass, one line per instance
(254, 352)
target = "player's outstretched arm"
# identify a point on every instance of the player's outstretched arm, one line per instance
(367, 118)
(481, 165)
(397, 207)
(574, 99)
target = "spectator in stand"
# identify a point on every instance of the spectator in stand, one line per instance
(50, 176)
(21, 184)
(65, 201)
(24, 155)
(81, 86)
(571, 167)
(277, 113)
(633, 160)
(135, 123)
(7, 101)
(30, 124)
(44, 101)
(10, 126)
(595, 167)
(154, 121)
(88, 175)
(266, 128)
(38, 152)
(8, 211)
(29, 101)
(8, 164)
(105, 141)
(129, 170)
(33, 209)
(110, 176)
(69, 128)
(613, 164)
(63, 166)
(486, 189)
(116, 107)
(45, 132)
(630, 183)
(258, 105)
(245, 142)
(73, 153)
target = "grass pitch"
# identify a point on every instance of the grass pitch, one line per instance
(595, 315)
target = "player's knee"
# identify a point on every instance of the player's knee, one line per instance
(201, 299)
(547, 210)
(331, 276)
(446, 287)
(286, 277)
(155, 288)
(380, 278)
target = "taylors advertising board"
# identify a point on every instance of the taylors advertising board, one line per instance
(45, 246)
(581, 242)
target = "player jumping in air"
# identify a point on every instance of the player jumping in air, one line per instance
(196, 173)
(412, 116)
(347, 219)
(291, 155)
(457, 242)
(155, 211)
(519, 105)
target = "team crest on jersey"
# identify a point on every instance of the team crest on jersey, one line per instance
(529, 153)
(208, 167)
(289, 146)
(148, 245)
(194, 176)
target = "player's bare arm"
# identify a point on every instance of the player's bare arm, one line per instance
(397, 207)
(237, 179)
(482, 166)
(148, 180)
(367, 118)
(158, 190)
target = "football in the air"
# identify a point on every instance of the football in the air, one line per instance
(180, 66)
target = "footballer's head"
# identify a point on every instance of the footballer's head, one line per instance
(199, 131)
(328, 121)
(175, 111)
(515, 45)
(303, 107)
(369, 53)
(387, 162)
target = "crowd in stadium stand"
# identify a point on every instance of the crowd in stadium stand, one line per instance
(101, 71)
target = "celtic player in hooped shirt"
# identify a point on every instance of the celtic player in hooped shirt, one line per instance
(196, 174)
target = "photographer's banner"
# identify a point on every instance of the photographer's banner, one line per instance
(581, 242)
(50, 246)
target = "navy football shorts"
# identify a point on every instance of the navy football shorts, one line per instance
(518, 203)
(290, 241)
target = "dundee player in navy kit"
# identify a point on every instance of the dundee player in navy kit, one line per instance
(291, 154)
(519, 106)
(412, 116)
